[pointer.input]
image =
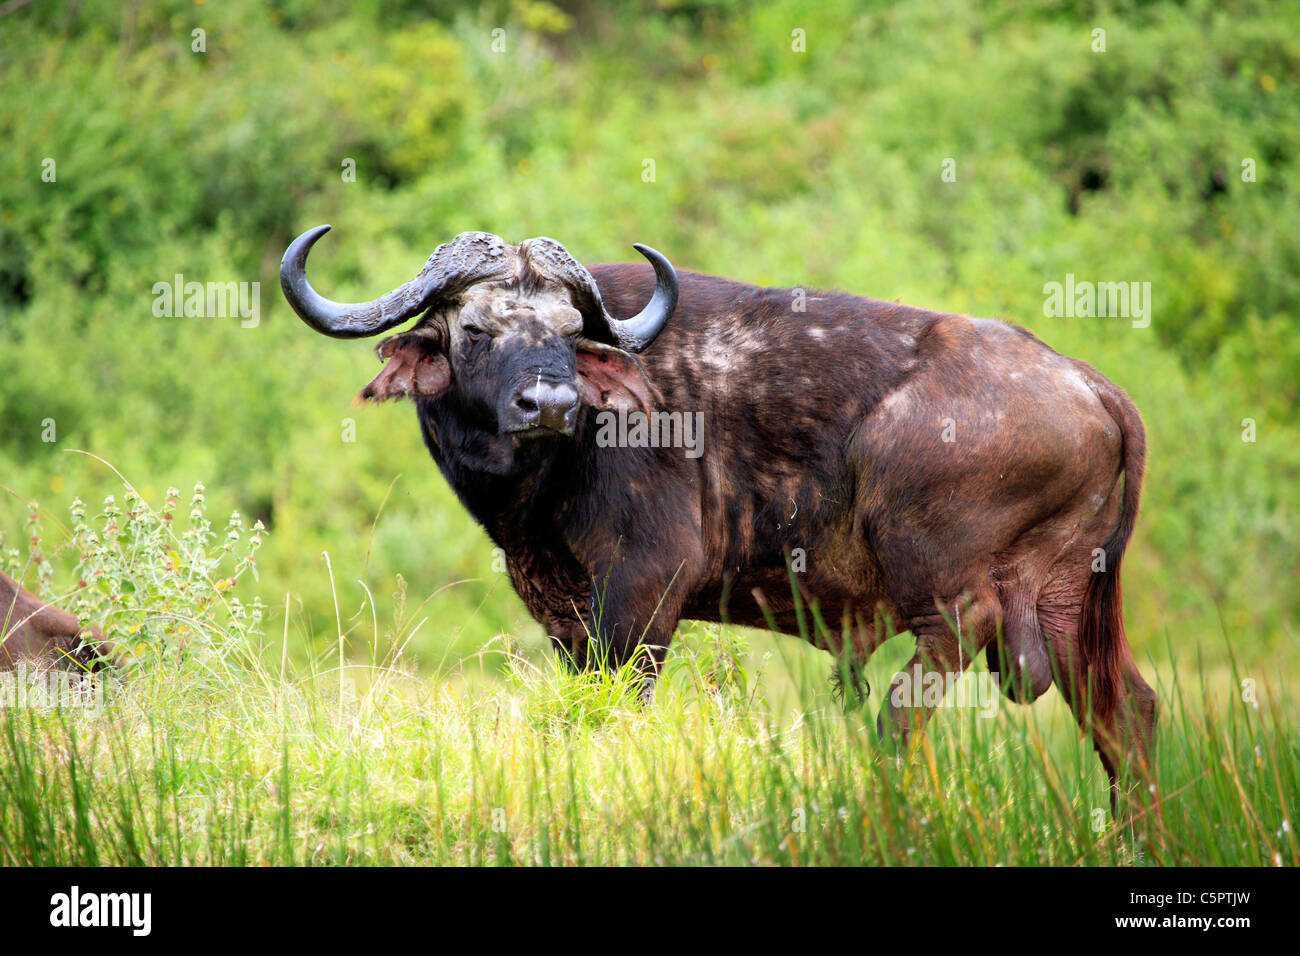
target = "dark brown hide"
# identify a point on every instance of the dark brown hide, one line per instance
(950, 476)
(934, 469)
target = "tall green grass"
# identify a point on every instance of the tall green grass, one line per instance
(231, 754)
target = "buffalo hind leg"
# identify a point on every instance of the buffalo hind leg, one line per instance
(1129, 735)
(940, 656)
(1122, 735)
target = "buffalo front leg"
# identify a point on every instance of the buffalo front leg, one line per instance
(635, 607)
(597, 644)
(851, 649)
(626, 621)
(946, 641)
(570, 639)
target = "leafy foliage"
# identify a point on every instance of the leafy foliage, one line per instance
(812, 168)
(158, 593)
(355, 729)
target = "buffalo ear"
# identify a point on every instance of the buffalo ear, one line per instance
(414, 368)
(609, 378)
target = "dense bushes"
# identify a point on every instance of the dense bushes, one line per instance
(820, 167)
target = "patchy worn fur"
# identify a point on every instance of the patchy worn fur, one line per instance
(933, 471)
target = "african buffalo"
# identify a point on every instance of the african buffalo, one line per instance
(36, 631)
(947, 475)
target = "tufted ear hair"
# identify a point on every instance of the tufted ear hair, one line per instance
(609, 378)
(416, 366)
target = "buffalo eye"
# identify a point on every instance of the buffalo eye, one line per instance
(474, 332)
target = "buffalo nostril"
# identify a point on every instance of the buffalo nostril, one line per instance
(560, 396)
(549, 404)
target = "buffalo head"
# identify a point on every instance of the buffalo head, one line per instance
(516, 337)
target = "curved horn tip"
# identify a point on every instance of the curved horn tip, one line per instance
(651, 253)
(637, 333)
(346, 320)
(664, 271)
(299, 248)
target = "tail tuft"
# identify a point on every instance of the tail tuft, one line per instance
(1101, 627)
